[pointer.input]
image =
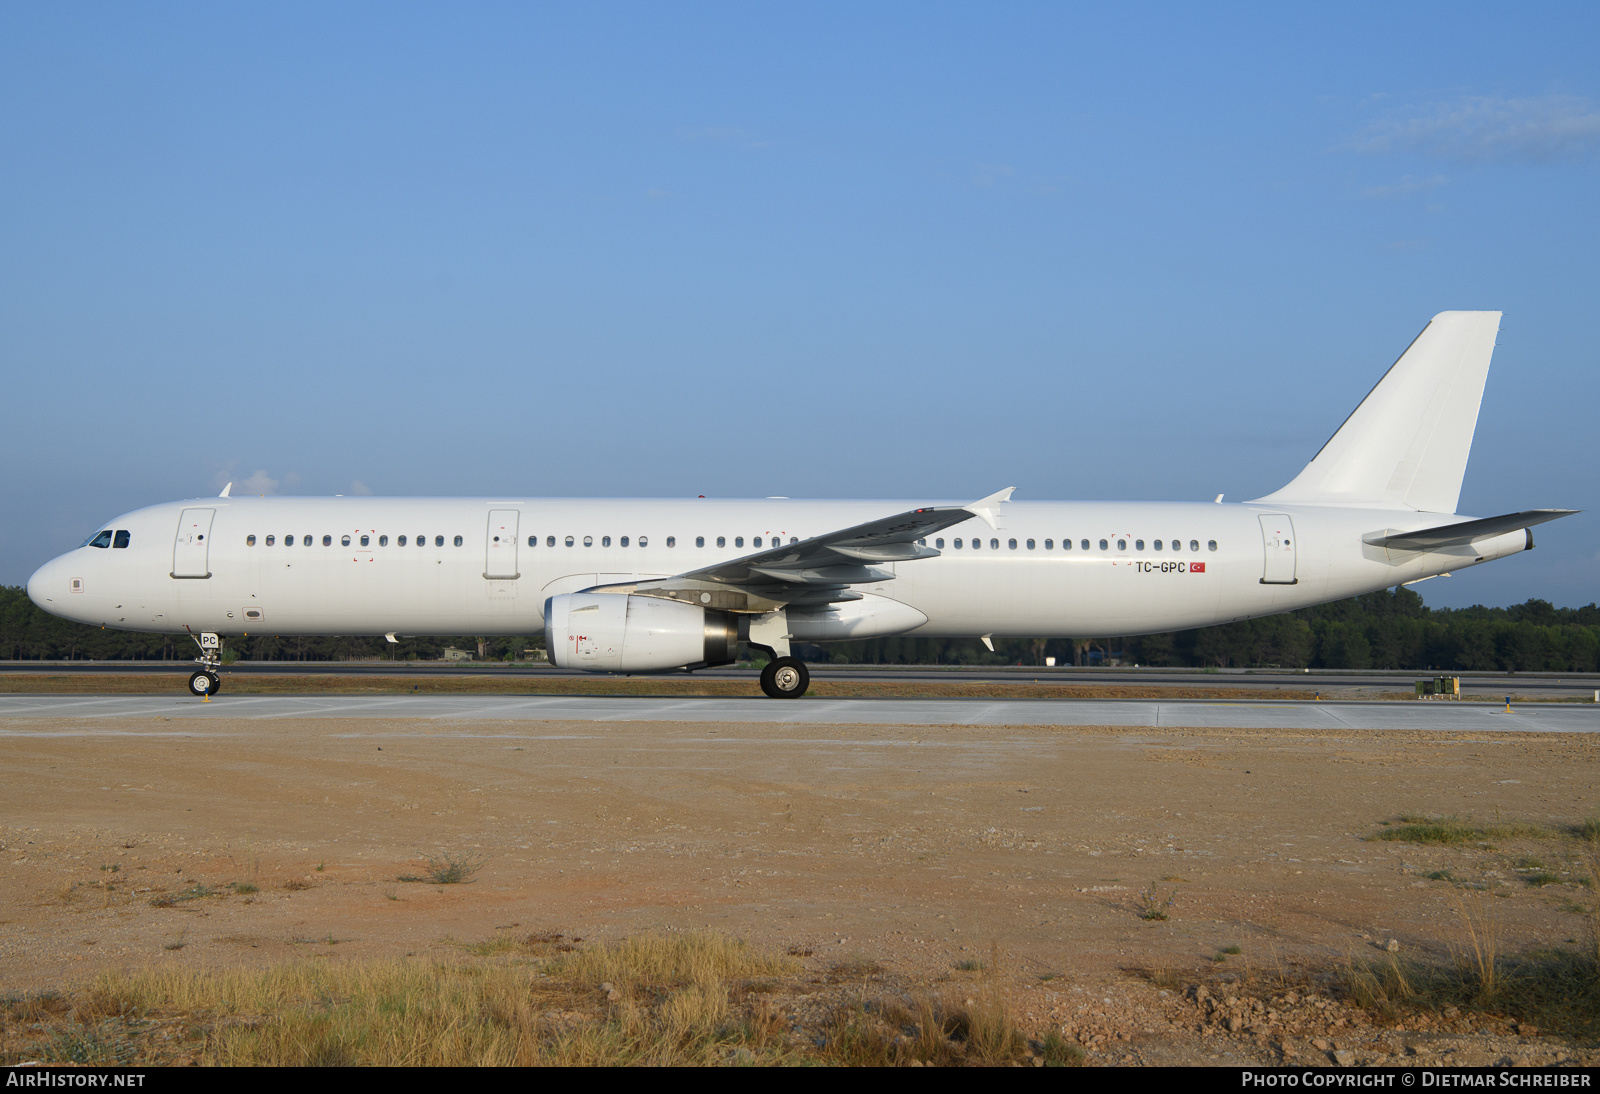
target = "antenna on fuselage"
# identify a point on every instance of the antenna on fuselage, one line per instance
(225, 490)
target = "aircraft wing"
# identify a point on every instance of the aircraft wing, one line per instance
(1452, 535)
(819, 570)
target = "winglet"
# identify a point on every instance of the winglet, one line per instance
(987, 509)
(225, 490)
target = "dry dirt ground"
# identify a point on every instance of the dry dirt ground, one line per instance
(926, 851)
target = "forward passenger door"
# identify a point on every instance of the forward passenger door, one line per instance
(191, 548)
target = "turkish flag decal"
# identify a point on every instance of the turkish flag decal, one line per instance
(1197, 567)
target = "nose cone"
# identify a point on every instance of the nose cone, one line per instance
(47, 587)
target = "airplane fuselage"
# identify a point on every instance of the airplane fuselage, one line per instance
(360, 565)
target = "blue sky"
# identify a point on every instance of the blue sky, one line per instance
(894, 250)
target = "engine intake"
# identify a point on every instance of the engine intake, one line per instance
(619, 632)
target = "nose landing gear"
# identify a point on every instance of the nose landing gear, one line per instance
(206, 683)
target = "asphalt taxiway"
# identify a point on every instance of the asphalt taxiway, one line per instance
(102, 714)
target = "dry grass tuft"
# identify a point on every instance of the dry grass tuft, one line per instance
(447, 869)
(695, 998)
(1451, 830)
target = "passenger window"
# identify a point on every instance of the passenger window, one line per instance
(1156, 545)
(533, 541)
(1012, 544)
(994, 544)
(458, 541)
(699, 541)
(121, 539)
(383, 541)
(1104, 545)
(796, 539)
(1138, 545)
(100, 539)
(570, 541)
(672, 541)
(1122, 545)
(756, 542)
(977, 544)
(958, 545)
(1194, 545)
(1030, 545)
(438, 541)
(1085, 545)
(344, 541)
(249, 541)
(271, 540)
(366, 541)
(1211, 544)
(550, 541)
(401, 542)
(644, 541)
(939, 543)
(722, 541)
(605, 541)
(738, 541)
(422, 541)
(624, 541)
(1050, 544)
(588, 541)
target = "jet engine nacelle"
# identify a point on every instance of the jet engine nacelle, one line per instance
(621, 632)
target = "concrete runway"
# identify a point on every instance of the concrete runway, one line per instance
(98, 712)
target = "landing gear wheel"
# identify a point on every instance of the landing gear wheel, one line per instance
(216, 682)
(203, 683)
(785, 678)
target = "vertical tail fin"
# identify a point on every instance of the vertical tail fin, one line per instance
(1406, 445)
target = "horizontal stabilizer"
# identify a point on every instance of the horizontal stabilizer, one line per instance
(1451, 535)
(1406, 445)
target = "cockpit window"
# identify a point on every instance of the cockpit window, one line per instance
(100, 539)
(122, 538)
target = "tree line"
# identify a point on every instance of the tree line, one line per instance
(1392, 629)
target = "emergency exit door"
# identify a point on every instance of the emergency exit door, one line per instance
(501, 551)
(191, 549)
(1277, 538)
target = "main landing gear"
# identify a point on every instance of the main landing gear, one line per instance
(206, 683)
(785, 678)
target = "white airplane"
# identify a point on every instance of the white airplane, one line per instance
(636, 586)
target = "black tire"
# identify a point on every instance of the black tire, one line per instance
(216, 683)
(785, 678)
(202, 683)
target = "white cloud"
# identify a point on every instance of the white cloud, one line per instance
(1406, 187)
(1478, 129)
(990, 175)
(360, 488)
(1002, 176)
(259, 483)
(721, 134)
